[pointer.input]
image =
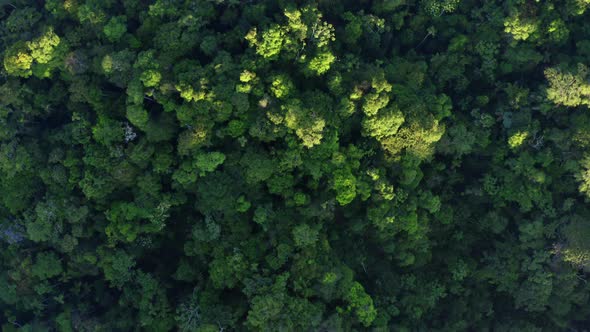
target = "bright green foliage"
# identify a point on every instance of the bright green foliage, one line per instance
(517, 139)
(208, 162)
(320, 63)
(23, 58)
(385, 123)
(307, 124)
(361, 304)
(150, 78)
(115, 28)
(440, 7)
(558, 31)
(345, 186)
(270, 43)
(137, 115)
(520, 28)
(576, 250)
(42, 48)
(18, 61)
(568, 88)
(281, 86)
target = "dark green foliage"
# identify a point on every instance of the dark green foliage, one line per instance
(225, 165)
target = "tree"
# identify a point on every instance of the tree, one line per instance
(304, 236)
(386, 165)
(115, 28)
(568, 88)
(575, 251)
(520, 28)
(46, 266)
(361, 304)
(307, 124)
(38, 56)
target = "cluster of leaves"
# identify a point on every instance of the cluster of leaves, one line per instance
(217, 165)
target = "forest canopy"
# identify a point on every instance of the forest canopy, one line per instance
(294, 165)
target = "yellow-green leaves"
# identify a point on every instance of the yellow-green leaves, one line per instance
(415, 138)
(18, 60)
(381, 119)
(321, 63)
(247, 76)
(361, 303)
(150, 78)
(25, 58)
(437, 8)
(304, 38)
(308, 125)
(191, 139)
(281, 86)
(517, 139)
(378, 98)
(383, 124)
(576, 249)
(345, 186)
(247, 79)
(568, 88)
(270, 42)
(558, 31)
(520, 28)
(42, 48)
(188, 93)
(580, 6)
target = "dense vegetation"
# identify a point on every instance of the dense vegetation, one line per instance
(282, 165)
